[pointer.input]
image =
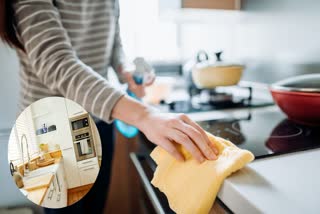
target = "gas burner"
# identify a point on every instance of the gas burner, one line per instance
(211, 96)
(219, 99)
(214, 99)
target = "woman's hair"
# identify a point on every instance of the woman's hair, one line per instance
(8, 25)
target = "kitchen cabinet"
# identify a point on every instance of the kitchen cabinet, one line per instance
(62, 184)
(212, 4)
(73, 108)
(87, 162)
(200, 4)
(49, 199)
(125, 186)
(88, 170)
(63, 133)
(96, 138)
(53, 112)
(71, 168)
(88, 174)
(56, 196)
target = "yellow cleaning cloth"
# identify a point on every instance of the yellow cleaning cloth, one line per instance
(192, 187)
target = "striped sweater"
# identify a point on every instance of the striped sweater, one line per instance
(69, 45)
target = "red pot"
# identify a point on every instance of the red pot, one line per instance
(299, 98)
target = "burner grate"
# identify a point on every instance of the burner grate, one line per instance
(221, 99)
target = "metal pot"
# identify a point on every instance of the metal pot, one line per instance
(207, 74)
(299, 98)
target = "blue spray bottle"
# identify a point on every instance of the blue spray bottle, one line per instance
(143, 73)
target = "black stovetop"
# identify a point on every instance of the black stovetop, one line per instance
(265, 133)
(209, 100)
(186, 106)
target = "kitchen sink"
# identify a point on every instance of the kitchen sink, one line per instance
(41, 171)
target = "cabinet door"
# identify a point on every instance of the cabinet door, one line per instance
(63, 133)
(212, 4)
(89, 174)
(62, 197)
(87, 162)
(73, 108)
(48, 200)
(71, 168)
(53, 112)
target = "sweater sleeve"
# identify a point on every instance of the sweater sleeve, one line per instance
(118, 55)
(55, 62)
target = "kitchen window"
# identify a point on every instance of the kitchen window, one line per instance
(23, 125)
(144, 34)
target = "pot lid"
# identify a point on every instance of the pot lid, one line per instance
(203, 60)
(302, 83)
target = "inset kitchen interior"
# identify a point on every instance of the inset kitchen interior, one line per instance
(54, 152)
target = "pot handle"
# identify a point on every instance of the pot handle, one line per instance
(202, 56)
(218, 55)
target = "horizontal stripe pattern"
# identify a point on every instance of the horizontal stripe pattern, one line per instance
(69, 46)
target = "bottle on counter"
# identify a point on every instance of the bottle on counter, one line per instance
(143, 73)
(44, 128)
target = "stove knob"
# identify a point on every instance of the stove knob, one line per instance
(172, 106)
(162, 102)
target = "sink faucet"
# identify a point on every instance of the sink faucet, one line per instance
(24, 137)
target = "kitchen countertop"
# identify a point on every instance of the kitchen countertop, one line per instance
(280, 184)
(36, 195)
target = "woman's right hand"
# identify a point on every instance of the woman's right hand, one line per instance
(165, 129)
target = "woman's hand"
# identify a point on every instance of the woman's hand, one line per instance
(164, 129)
(138, 90)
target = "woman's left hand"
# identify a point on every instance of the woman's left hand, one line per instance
(138, 90)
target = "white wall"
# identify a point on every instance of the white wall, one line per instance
(279, 38)
(9, 86)
(274, 38)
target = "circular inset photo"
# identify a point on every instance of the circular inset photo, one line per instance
(54, 152)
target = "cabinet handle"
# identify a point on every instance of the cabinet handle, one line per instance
(88, 168)
(87, 162)
(58, 197)
(77, 112)
(54, 185)
(50, 194)
(58, 182)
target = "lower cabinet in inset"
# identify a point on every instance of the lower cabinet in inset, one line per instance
(71, 168)
(56, 195)
(88, 174)
(50, 199)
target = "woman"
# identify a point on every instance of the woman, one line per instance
(65, 47)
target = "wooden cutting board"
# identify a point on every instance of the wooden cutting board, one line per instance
(42, 181)
(46, 162)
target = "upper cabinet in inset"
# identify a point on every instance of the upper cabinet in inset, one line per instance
(212, 4)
